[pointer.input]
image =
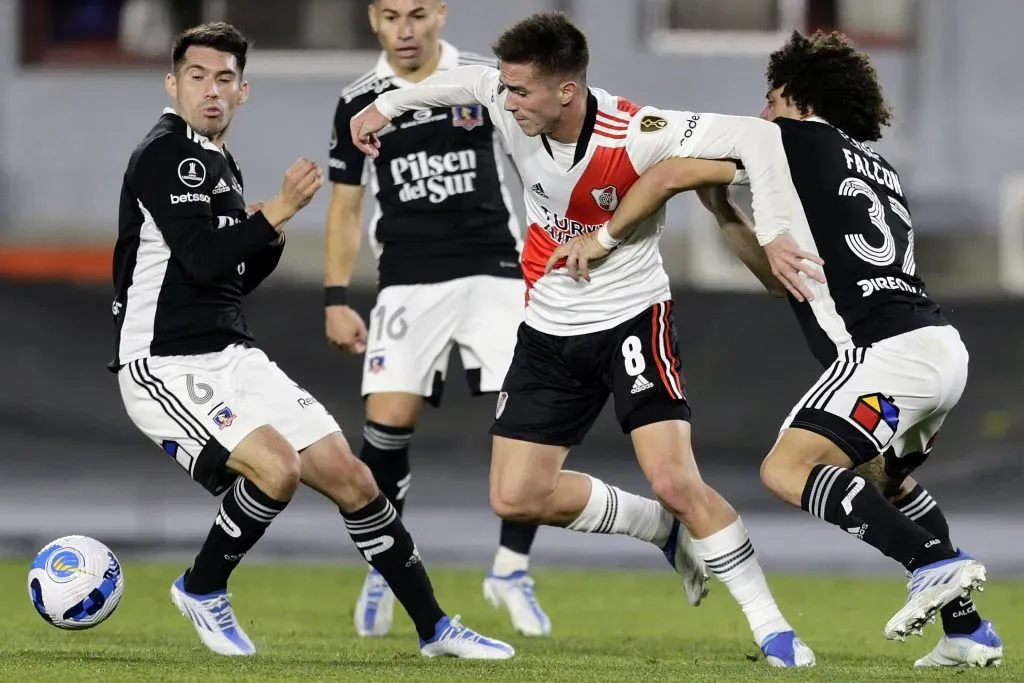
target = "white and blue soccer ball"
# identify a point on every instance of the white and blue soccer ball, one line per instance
(75, 582)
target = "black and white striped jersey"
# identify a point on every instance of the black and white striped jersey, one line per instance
(856, 217)
(442, 210)
(186, 252)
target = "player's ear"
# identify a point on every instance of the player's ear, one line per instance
(372, 10)
(243, 92)
(442, 14)
(568, 92)
(171, 85)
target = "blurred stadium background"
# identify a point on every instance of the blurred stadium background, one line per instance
(81, 82)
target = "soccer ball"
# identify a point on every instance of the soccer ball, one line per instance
(75, 582)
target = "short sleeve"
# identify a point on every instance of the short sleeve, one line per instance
(346, 165)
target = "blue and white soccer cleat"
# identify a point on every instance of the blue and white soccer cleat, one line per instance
(375, 607)
(515, 591)
(452, 639)
(783, 649)
(678, 550)
(931, 588)
(214, 620)
(981, 648)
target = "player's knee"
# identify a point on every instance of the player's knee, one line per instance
(684, 495)
(282, 473)
(516, 505)
(341, 476)
(395, 410)
(780, 478)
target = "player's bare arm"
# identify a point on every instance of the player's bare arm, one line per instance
(651, 191)
(345, 328)
(738, 229)
(445, 89)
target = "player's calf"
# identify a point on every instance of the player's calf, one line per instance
(271, 472)
(329, 467)
(720, 542)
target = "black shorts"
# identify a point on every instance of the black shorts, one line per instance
(557, 386)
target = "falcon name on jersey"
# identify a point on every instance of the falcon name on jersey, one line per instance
(854, 215)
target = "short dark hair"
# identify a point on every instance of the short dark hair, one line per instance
(549, 41)
(827, 74)
(219, 35)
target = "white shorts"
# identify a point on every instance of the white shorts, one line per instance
(198, 408)
(892, 396)
(413, 328)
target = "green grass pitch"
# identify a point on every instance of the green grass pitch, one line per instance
(608, 626)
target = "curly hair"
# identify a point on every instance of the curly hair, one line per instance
(828, 75)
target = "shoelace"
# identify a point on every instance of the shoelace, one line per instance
(456, 631)
(220, 608)
(525, 586)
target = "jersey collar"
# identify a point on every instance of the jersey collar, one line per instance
(449, 60)
(195, 137)
(588, 131)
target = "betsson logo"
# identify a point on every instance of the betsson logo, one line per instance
(189, 197)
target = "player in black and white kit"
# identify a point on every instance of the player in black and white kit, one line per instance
(188, 250)
(895, 367)
(447, 245)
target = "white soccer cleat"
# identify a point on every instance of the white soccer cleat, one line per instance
(452, 639)
(375, 608)
(784, 650)
(691, 569)
(516, 593)
(931, 588)
(978, 649)
(214, 620)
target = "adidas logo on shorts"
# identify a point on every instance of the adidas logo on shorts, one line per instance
(641, 384)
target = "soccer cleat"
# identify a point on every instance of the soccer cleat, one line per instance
(931, 588)
(214, 620)
(784, 649)
(678, 550)
(981, 648)
(375, 607)
(452, 639)
(515, 591)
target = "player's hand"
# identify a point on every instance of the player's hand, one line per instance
(364, 127)
(254, 208)
(345, 329)
(301, 182)
(578, 253)
(789, 262)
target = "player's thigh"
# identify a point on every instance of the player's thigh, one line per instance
(487, 332)
(410, 338)
(646, 377)
(541, 400)
(188, 405)
(274, 398)
(937, 356)
(868, 399)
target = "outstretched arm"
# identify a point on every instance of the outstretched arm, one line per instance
(740, 232)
